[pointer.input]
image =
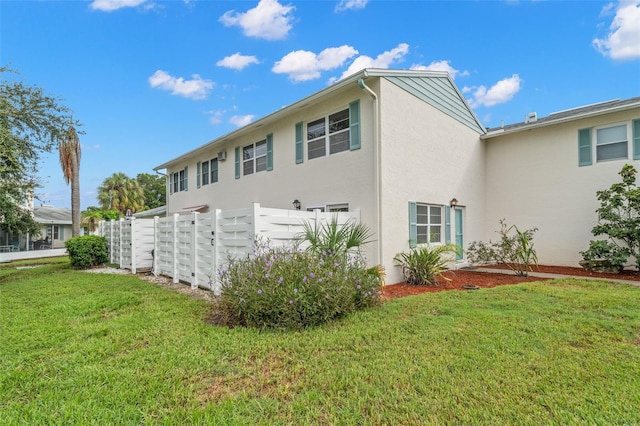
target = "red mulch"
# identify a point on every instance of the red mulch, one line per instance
(458, 279)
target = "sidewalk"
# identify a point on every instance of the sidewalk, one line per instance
(547, 275)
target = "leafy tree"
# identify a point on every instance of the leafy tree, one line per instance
(31, 123)
(69, 149)
(155, 192)
(93, 215)
(120, 192)
(619, 214)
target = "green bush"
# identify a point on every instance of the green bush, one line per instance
(423, 265)
(283, 288)
(87, 251)
(513, 250)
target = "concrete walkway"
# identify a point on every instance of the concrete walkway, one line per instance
(547, 275)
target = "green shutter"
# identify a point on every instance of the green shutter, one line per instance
(214, 170)
(270, 151)
(170, 183)
(635, 131)
(186, 178)
(447, 224)
(354, 127)
(299, 144)
(413, 225)
(199, 170)
(61, 236)
(237, 162)
(584, 147)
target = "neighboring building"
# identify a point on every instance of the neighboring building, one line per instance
(151, 213)
(56, 227)
(400, 146)
(545, 172)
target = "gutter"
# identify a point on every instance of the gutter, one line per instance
(378, 164)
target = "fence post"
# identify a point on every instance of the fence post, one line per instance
(215, 244)
(174, 266)
(194, 250)
(154, 257)
(133, 245)
(255, 220)
(120, 222)
(110, 241)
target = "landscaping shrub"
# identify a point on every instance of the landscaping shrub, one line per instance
(284, 288)
(424, 264)
(514, 250)
(87, 251)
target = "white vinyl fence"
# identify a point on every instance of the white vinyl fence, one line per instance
(192, 248)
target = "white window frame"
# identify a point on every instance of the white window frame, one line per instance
(251, 161)
(428, 226)
(326, 134)
(627, 128)
(332, 208)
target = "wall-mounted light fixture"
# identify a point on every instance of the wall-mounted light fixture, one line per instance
(296, 204)
(453, 202)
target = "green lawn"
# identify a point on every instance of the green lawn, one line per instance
(78, 348)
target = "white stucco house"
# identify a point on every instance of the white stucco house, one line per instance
(406, 150)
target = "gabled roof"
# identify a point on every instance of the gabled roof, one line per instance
(433, 87)
(52, 215)
(573, 114)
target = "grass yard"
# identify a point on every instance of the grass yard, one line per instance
(78, 348)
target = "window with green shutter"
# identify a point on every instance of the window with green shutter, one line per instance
(635, 126)
(237, 161)
(354, 130)
(270, 151)
(584, 147)
(299, 144)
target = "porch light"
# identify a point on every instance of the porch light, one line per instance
(296, 204)
(453, 202)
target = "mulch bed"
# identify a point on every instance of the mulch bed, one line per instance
(465, 278)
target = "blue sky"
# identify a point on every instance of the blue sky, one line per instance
(151, 79)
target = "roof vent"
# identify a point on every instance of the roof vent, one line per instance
(532, 117)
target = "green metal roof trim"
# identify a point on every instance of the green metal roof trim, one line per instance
(440, 93)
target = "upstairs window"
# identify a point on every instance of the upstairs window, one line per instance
(214, 170)
(205, 173)
(612, 143)
(328, 134)
(178, 181)
(254, 158)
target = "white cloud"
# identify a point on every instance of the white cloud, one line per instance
(215, 116)
(623, 40)
(351, 5)
(302, 65)
(383, 60)
(501, 92)
(268, 20)
(237, 61)
(196, 88)
(111, 5)
(241, 120)
(441, 66)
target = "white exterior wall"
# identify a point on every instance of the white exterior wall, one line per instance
(534, 180)
(345, 177)
(427, 157)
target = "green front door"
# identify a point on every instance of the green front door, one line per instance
(459, 240)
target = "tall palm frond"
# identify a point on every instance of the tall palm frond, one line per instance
(70, 153)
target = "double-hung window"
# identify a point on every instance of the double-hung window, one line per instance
(214, 170)
(611, 142)
(428, 224)
(254, 158)
(178, 181)
(328, 134)
(205, 173)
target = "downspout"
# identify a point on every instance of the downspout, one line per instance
(378, 166)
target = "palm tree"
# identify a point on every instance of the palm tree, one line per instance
(120, 192)
(70, 162)
(90, 219)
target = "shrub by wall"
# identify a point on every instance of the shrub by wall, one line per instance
(293, 289)
(87, 251)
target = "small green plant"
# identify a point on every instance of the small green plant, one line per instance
(423, 265)
(87, 251)
(332, 238)
(285, 288)
(514, 250)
